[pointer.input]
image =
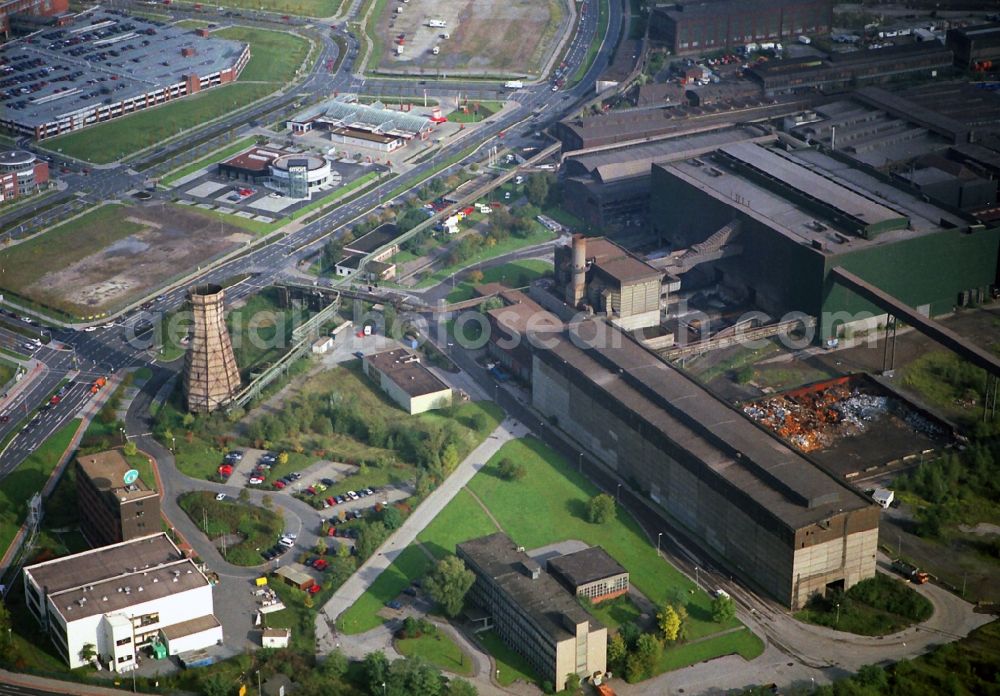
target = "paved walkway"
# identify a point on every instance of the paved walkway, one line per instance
(364, 576)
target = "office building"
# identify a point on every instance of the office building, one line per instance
(122, 598)
(112, 509)
(532, 613)
(21, 174)
(590, 573)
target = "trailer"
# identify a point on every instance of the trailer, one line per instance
(513, 84)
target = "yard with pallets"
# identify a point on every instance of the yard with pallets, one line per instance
(275, 56)
(113, 255)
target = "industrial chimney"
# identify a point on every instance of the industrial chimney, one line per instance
(211, 378)
(576, 289)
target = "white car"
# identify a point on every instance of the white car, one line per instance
(90, 328)
(109, 325)
(220, 496)
(722, 593)
(256, 480)
(352, 495)
(286, 542)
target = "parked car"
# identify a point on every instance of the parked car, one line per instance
(326, 482)
(394, 604)
(279, 484)
(255, 480)
(320, 564)
(220, 496)
(311, 490)
(331, 500)
(319, 487)
(233, 456)
(286, 542)
(315, 589)
(331, 532)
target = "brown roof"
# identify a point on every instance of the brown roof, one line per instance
(619, 263)
(404, 369)
(365, 135)
(106, 470)
(190, 627)
(521, 314)
(255, 159)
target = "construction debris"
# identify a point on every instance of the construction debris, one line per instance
(814, 417)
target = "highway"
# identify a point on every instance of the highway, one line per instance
(102, 351)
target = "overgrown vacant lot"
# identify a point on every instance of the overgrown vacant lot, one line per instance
(246, 527)
(112, 255)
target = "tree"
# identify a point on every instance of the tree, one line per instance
(511, 470)
(370, 537)
(460, 687)
(448, 583)
(572, 683)
(617, 652)
(376, 669)
(682, 614)
(600, 509)
(537, 189)
(412, 675)
(392, 518)
(475, 277)
(335, 665)
(723, 609)
(215, 684)
(88, 653)
(669, 622)
(130, 449)
(283, 458)
(320, 547)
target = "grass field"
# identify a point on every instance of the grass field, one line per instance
(510, 667)
(7, 370)
(224, 153)
(462, 519)
(363, 616)
(274, 55)
(469, 113)
(537, 236)
(122, 137)
(261, 330)
(257, 526)
(306, 8)
(438, 649)
(516, 274)
(27, 479)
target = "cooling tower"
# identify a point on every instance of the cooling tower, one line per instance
(211, 377)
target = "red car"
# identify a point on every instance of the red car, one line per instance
(311, 490)
(225, 471)
(314, 589)
(320, 564)
(331, 532)
(278, 484)
(331, 501)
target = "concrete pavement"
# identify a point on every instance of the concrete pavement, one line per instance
(369, 571)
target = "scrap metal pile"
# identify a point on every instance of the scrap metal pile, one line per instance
(813, 419)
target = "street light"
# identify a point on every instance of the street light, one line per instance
(697, 579)
(617, 491)
(658, 535)
(838, 614)
(579, 464)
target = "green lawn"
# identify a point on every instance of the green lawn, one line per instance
(216, 156)
(463, 519)
(363, 616)
(17, 488)
(512, 243)
(7, 370)
(274, 55)
(438, 649)
(469, 113)
(111, 141)
(741, 642)
(307, 8)
(516, 274)
(261, 329)
(615, 612)
(258, 526)
(510, 666)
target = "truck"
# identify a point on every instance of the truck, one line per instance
(910, 572)
(513, 84)
(437, 23)
(805, 40)
(98, 383)
(399, 50)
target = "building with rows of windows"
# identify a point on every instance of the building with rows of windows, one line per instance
(590, 573)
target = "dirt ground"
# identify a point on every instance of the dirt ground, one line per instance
(172, 240)
(485, 36)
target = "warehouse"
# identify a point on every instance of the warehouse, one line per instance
(702, 26)
(532, 612)
(411, 385)
(105, 65)
(843, 70)
(766, 513)
(976, 48)
(121, 598)
(803, 213)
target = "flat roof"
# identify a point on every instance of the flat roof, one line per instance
(105, 562)
(377, 238)
(345, 110)
(256, 159)
(403, 367)
(350, 261)
(780, 201)
(617, 262)
(586, 566)
(81, 72)
(722, 443)
(543, 599)
(298, 577)
(190, 627)
(365, 135)
(106, 470)
(520, 314)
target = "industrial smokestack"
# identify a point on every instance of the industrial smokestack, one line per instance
(211, 378)
(576, 289)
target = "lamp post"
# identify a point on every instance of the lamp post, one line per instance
(618, 489)
(658, 535)
(383, 688)
(579, 463)
(259, 690)
(838, 614)
(697, 579)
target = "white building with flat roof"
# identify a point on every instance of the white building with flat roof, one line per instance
(121, 598)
